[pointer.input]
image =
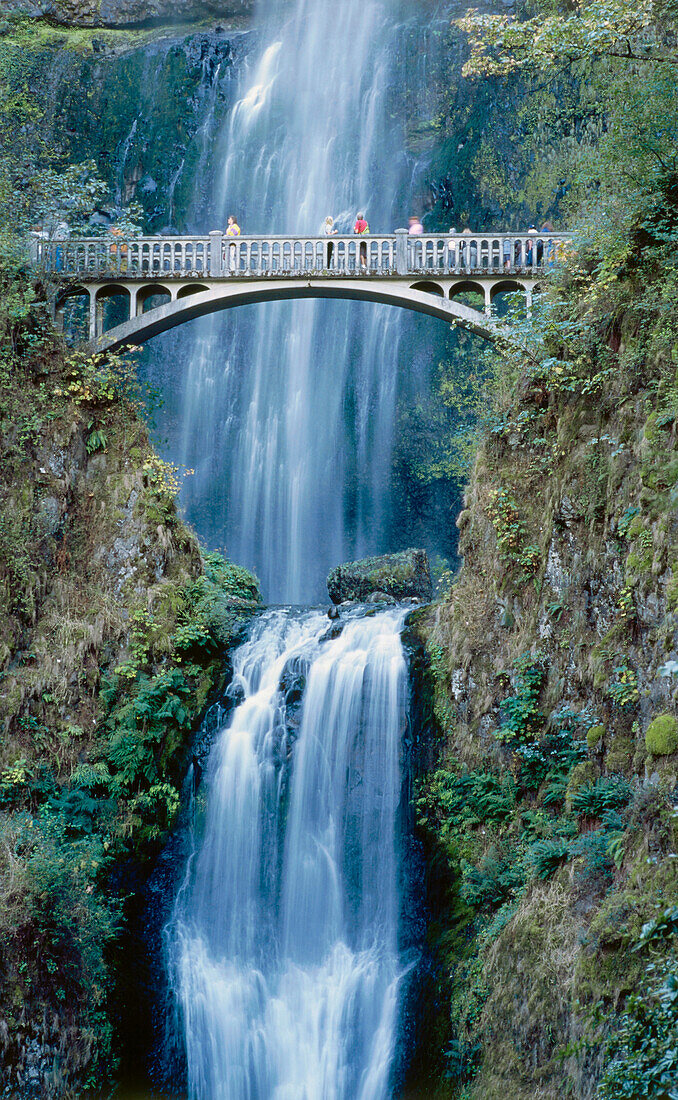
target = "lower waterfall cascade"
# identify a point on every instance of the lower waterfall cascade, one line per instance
(282, 948)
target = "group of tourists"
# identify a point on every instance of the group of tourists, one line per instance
(361, 228)
(524, 253)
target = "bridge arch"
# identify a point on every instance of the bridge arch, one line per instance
(151, 290)
(507, 286)
(191, 288)
(468, 286)
(429, 288)
(227, 295)
(74, 290)
(202, 274)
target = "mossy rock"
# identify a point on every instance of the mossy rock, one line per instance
(584, 772)
(639, 758)
(620, 755)
(398, 575)
(672, 593)
(661, 738)
(595, 736)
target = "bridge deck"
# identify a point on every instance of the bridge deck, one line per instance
(216, 256)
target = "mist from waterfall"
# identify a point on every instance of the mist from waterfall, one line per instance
(283, 947)
(288, 410)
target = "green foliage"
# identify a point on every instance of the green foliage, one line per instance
(56, 924)
(661, 738)
(147, 727)
(232, 580)
(150, 713)
(593, 851)
(493, 882)
(626, 520)
(446, 802)
(544, 857)
(521, 717)
(511, 533)
(624, 690)
(659, 931)
(607, 793)
(96, 440)
(642, 1051)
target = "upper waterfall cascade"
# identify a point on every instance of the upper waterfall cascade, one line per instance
(286, 414)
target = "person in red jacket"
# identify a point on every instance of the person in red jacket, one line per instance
(361, 228)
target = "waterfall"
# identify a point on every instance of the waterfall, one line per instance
(283, 946)
(287, 411)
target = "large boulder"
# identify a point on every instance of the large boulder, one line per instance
(398, 575)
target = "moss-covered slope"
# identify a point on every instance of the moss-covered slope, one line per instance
(550, 825)
(113, 636)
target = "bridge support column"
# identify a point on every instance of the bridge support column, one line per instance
(401, 236)
(216, 238)
(528, 301)
(96, 314)
(133, 307)
(93, 307)
(488, 299)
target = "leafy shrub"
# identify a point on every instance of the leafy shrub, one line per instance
(642, 1054)
(82, 813)
(521, 718)
(551, 758)
(608, 793)
(456, 801)
(661, 738)
(58, 919)
(511, 533)
(233, 580)
(556, 786)
(14, 781)
(660, 929)
(493, 882)
(624, 691)
(594, 851)
(544, 857)
(626, 520)
(147, 728)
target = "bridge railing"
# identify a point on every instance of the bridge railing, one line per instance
(216, 256)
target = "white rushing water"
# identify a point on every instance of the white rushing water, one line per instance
(283, 947)
(288, 410)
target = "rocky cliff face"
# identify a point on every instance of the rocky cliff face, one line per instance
(127, 13)
(554, 661)
(114, 630)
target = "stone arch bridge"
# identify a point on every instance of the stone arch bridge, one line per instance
(164, 281)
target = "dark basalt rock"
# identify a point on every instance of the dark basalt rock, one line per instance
(128, 13)
(397, 576)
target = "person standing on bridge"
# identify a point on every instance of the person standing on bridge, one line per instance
(362, 228)
(452, 249)
(329, 231)
(416, 227)
(233, 230)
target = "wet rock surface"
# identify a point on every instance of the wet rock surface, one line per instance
(380, 579)
(127, 13)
